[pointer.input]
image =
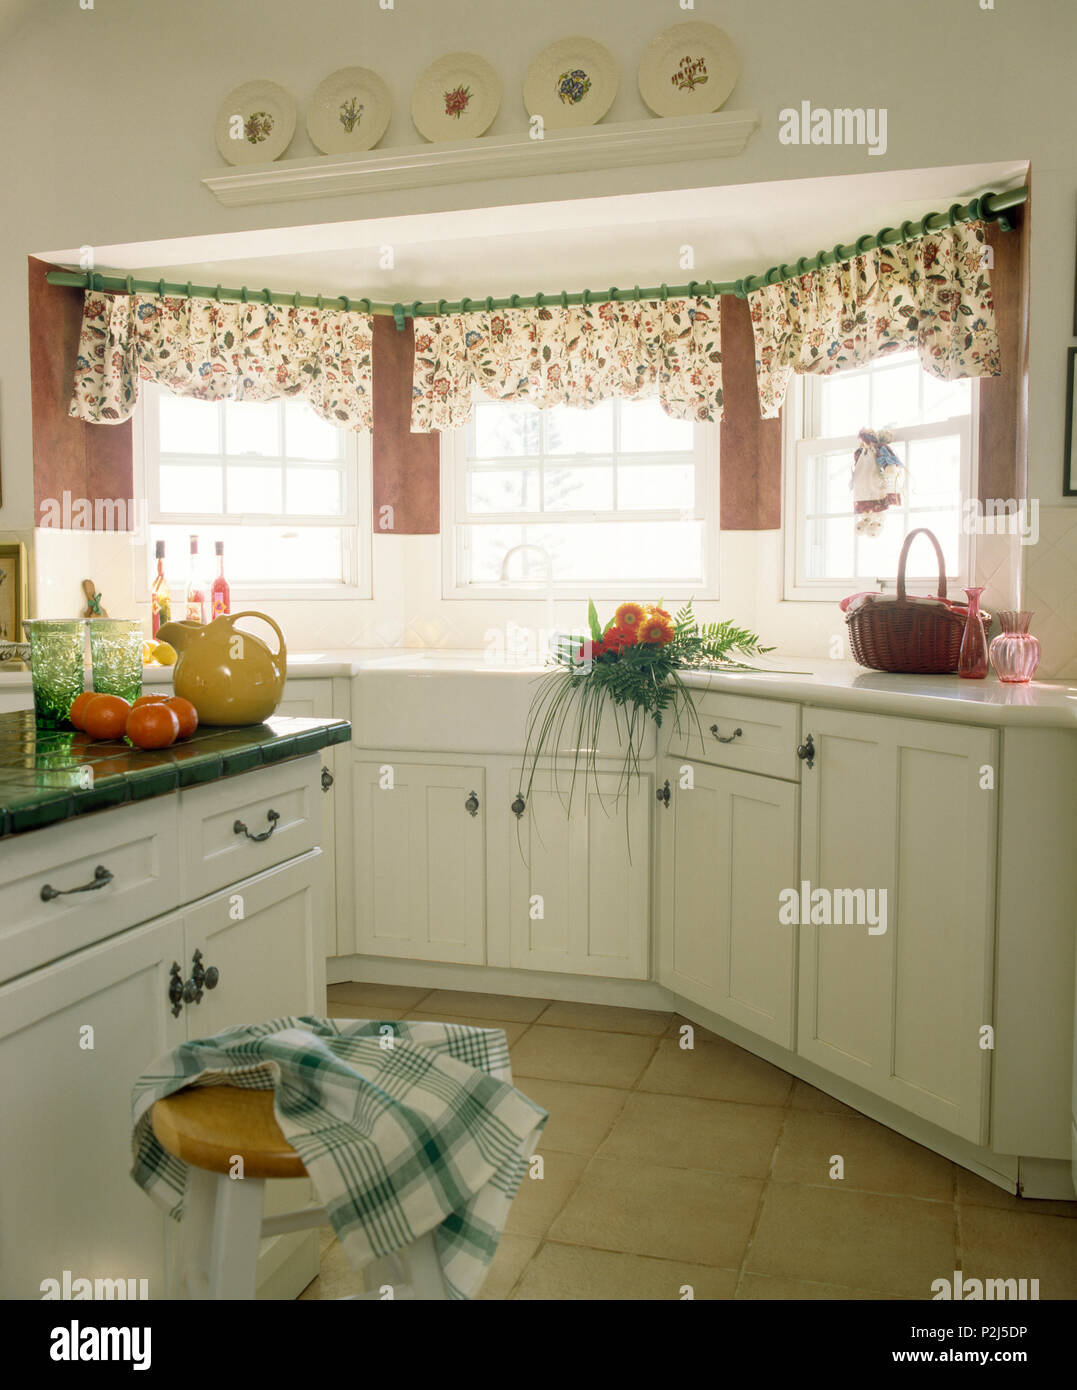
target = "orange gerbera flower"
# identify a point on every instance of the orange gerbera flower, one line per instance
(656, 630)
(618, 637)
(629, 616)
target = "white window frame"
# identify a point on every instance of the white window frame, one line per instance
(454, 518)
(355, 522)
(799, 417)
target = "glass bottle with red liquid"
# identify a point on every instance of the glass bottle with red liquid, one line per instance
(220, 594)
(196, 588)
(972, 659)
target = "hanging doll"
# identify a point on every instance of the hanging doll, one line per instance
(878, 480)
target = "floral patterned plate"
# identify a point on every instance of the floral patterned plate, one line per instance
(688, 69)
(456, 98)
(349, 110)
(571, 83)
(255, 123)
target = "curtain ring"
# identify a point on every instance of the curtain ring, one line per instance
(740, 289)
(295, 300)
(802, 264)
(318, 301)
(710, 289)
(906, 231)
(489, 304)
(514, 301)
(861, 243)
(540, 299)
(267, 295)
(881, 235)
(953, 214)
(637, 294)
(243, 293)
(663, 289)
(160, 289)
(564, 299)
(465, 305)
(786, 272)
(586, 298)
(398, 317)
(343, 299)
(613, 293)
(188, 289)
(767, 280)
(693, 288)
(130, 282)
(837, 254)
(976, 209)
(217, 294)
(369, 309)
(415, 303)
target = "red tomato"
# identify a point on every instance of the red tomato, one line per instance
(105, 716)
(152, 725)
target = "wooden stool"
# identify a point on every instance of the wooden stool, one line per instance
(209, 1127)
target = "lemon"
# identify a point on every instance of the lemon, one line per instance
(147, 652)
(164, 654)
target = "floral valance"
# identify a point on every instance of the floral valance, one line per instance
(934, 293)
(571, 355)
(216, 350)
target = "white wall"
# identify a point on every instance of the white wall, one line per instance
(108, 123)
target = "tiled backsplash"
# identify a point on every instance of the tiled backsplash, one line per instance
(408, 610)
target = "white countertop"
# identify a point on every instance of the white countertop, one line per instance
(804, 680)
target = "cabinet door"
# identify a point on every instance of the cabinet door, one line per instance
(420, 860)
(67, 1200)
(727, 847)
(897, 806)
(264, 938)
(580, 880)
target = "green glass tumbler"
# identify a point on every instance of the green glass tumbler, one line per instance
(57, 665)
(116, 654)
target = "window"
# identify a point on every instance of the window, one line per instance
(931, 422)
(286, 492)
(619, 497)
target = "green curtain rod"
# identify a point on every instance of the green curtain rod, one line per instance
(989, 206)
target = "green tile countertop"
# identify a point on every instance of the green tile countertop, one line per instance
(47, 777)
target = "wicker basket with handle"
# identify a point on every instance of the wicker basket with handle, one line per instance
(907, 634)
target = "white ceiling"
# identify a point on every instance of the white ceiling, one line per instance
(632, 239)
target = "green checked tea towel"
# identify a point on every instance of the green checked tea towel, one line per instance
(403, 1127)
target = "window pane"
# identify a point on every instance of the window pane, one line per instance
(829, 482)
(895, 395)
(946, 525)
(188, 426)
(505, 430)
(655, 487)
(503, 490)
(934, 471)
(651, 552)
(571, 431)
(308, 436)
(255, 490)
(877, 556)
(646, 428)
(252, 427)
(942, 400)
(190, 487)
(255, 554)
(844, 403)
(314, 492)
(578, 489)
(828, 548)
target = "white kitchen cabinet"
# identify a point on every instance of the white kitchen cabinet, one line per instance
(900, 806)
(313, 699)
(420, 859)
(727, 843)
(67, 1200)
(580, 877)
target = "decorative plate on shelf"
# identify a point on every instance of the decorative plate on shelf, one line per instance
(456, 98)
(688, 69)
(349, 111)
(571, 83)
(255, 123)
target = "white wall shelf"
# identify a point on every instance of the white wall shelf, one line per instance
(672, 139)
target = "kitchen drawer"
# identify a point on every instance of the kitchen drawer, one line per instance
(137, 845)
(763, 734)
(215, 853)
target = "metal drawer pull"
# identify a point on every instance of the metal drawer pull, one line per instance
(271, 816)
(663, 794)
(101, 876)
(471, 805)
(737, 733)
(200, 977)
(806, 751)
(519, 806)
(327, 779)
(175, 989)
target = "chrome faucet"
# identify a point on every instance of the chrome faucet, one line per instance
(545, 555)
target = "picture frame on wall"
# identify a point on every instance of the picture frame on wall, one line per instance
(13, 590)
(1069, 475)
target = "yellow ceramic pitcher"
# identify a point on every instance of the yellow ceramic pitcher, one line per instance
(230, 676)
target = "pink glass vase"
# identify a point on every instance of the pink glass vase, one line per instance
(972, 659)
(1015, 653)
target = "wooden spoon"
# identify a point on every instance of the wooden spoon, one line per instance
(93, 607)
